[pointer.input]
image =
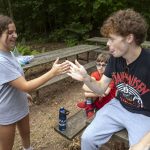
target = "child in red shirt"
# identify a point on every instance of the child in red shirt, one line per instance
(93, 102)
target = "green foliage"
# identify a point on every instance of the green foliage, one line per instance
(62, 20)
(25, 50)
(57, 35)
(71, 42)
(78, 29)
(71, 34)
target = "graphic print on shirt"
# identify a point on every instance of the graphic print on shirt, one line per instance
(130, 93)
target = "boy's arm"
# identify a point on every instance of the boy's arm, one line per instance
(111, 86)
(98, 87)
(144, 143)
(78, 72)
(85, 87)
(91, 94)
(107, 91)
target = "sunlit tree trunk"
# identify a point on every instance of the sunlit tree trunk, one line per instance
(10, 11)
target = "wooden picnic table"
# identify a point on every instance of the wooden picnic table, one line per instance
(61, 53)
(146, 44)
(98, 40)
(103, 41)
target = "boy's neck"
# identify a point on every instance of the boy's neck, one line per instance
(133, 53)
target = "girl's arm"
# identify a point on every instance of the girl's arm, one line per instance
(22, 84)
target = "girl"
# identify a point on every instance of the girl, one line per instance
(14, 111)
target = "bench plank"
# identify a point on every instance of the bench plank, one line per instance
(146, 44)
(100, 40)
(103, 41)
(123, 135)
(61, 53)
(78, 122)
(75, 124)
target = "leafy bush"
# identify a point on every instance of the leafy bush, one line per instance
(78, 30)
(71, 34)
(57, 35)
(25, 50)
(71, 42)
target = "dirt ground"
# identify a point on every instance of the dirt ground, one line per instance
(44, 116)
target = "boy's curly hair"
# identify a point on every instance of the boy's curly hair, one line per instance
(125, 22)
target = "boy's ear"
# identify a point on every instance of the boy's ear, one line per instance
(130, 38)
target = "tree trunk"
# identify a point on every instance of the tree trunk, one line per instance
(10, 11)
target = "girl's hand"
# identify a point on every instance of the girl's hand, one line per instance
(30, 99)
(62, 68)
(77, 71)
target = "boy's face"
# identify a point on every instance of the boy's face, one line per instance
(101, 67)
(118, 45)
(8, 38)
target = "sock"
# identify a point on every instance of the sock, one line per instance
(89, 101)
(30, 148)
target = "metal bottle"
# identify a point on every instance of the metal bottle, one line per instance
(62, 119)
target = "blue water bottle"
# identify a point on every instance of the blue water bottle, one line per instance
(63, 118)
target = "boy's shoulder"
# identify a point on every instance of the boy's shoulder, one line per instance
(145, 55)
(146, 51)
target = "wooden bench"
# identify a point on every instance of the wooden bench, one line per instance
(103, 41)
(98, 40)
(77, 122)
(62, 54)
(121, 135)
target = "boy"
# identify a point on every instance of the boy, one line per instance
(94, 101)
(129, 68)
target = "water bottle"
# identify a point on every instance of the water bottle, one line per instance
(63, 118)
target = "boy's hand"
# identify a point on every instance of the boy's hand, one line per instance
(139, 146)
(77, 71)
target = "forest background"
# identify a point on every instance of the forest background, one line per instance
(68, 21)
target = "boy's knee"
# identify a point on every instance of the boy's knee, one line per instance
(87, 138)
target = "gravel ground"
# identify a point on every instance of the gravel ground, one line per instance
(44, 117)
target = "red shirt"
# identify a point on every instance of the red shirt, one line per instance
(100, 102)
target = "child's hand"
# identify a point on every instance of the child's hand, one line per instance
(104, 95)
(139, 146)
(77, 71)
(58, 69)
(30, 99)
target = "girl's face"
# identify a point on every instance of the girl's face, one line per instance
(101, 67)
(8, 38)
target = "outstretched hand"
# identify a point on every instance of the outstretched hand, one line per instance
(139, 146)
(77, 71)
(62, 68)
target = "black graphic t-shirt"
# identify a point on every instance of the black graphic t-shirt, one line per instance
(132, 82)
